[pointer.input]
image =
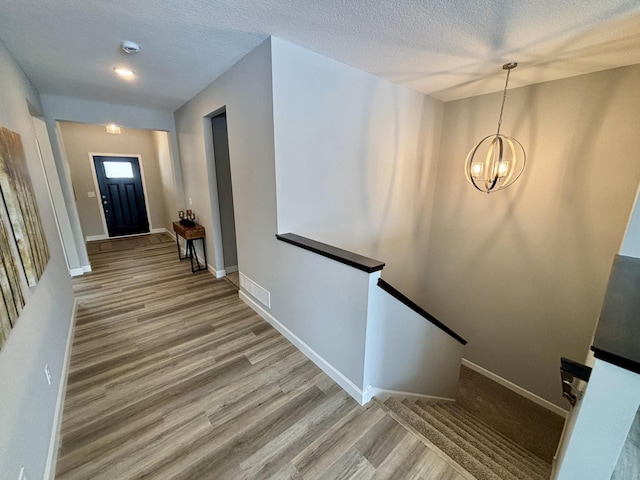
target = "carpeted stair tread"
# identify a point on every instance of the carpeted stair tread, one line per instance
(482, 438)
(480, 466)
(471, 450)
(489, 439)
(465, 417)
(475, 444)
(519, 462)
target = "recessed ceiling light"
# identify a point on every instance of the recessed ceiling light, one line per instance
(124, 72)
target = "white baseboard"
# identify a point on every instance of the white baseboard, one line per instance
(216, 273)
(515, 388)
(54, 442)
(74, 272)
(94, 238)
(346, 384)
(383, 394)
(231, 269)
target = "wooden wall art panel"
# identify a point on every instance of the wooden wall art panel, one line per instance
(22, 209)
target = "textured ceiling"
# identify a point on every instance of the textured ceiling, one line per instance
(446, 48)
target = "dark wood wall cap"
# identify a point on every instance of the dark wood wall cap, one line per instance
(419, 310)
(617, 338)
(354, 260)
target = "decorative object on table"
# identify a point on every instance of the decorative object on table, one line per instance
(497, 160)
(22, 209)
(10, 287)
(188, 218)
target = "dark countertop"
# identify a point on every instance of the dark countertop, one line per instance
(617, 338)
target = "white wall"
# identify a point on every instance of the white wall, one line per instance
(57, 108)
(80, 140)
(521, 273)
(27, 402)
(607, 411)
(356, 161)
(407, 353)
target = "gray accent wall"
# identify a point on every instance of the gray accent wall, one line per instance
(521, 273)
(27, 401)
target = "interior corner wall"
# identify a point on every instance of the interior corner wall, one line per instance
(521, 273)
(356, 159)
(245, 90)
(81, 139)
(28, 402)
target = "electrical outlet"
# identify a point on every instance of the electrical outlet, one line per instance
(190, 202)
(23, 474)
(47, 372)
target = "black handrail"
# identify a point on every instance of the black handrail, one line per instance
(354, 260)
(419, 310)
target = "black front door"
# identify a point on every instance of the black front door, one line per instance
(121, 195)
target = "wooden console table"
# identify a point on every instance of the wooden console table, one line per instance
(190, 234)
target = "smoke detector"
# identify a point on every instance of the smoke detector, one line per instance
(130, 47)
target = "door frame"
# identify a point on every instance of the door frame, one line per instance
(216, 237)
(98, 195)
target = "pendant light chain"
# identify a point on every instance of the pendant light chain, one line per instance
(504, 97)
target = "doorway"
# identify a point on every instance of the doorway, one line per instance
(121, 195)
(225, 192)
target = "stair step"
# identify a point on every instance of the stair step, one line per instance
(468, 421)
(498, 438)
(484, 438)
(468, 450)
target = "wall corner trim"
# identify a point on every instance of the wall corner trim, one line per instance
(346, 384)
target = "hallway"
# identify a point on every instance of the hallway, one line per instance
(172, 376)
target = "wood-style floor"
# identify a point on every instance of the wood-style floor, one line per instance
(173, 377)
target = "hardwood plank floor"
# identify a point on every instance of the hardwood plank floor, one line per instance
(173, 377)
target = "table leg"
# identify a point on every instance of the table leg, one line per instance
(178, 245)
(204, 250)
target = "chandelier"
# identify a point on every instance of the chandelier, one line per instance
(497, 160)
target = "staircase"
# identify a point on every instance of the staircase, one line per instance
(473, 444)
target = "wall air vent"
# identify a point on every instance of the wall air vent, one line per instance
(255, 290)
